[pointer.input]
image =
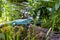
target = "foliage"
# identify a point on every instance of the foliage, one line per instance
(11, 10)
(54, 5)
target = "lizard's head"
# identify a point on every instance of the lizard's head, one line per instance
(30, 18)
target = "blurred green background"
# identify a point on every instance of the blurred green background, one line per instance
(13, 9)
